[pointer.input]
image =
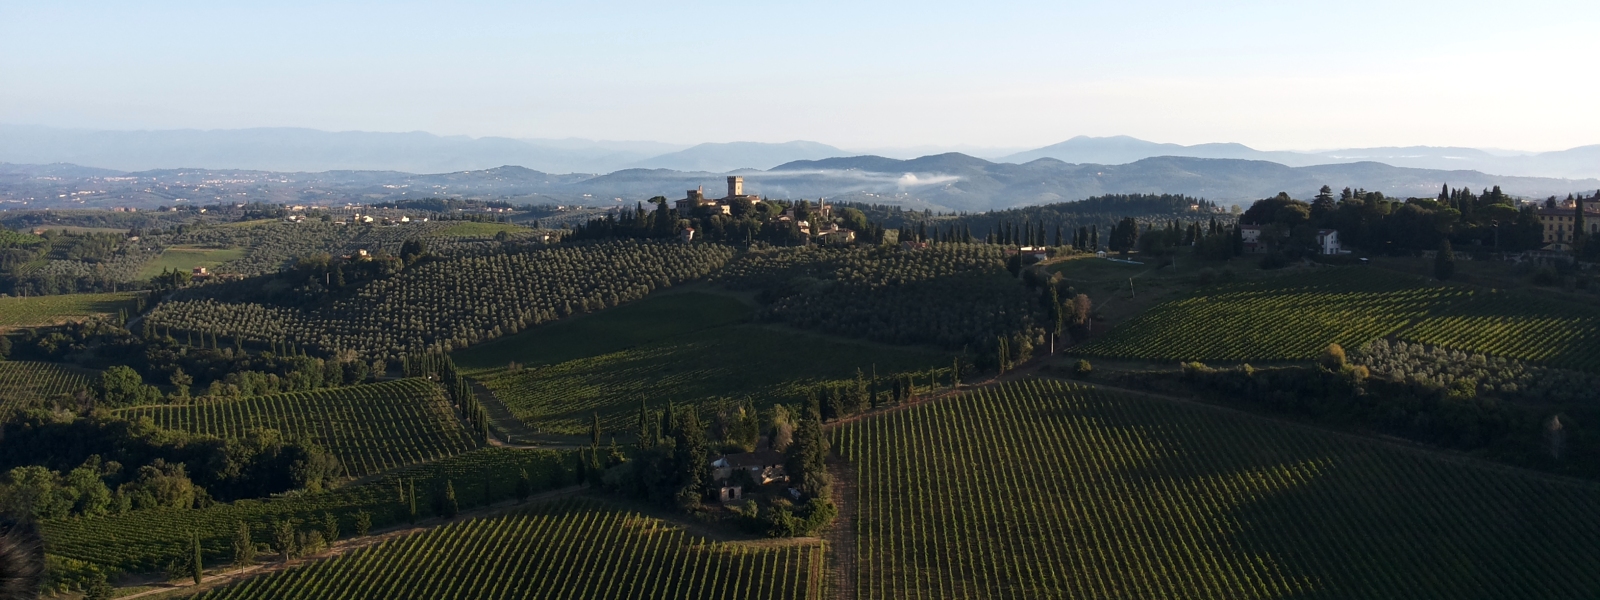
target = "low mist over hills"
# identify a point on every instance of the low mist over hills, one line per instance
(950, 181)
(1580, 162)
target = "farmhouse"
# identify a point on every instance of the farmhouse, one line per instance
(733, 471)
(1328, 241)
(1559, 222)
(1252, 238)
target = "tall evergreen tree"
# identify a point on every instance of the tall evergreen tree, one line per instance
(244, 549)
(197, 562)
(1444, 263)
(807, 462)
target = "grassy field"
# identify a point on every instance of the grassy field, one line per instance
(186, 258)
(1042, 489)
(81, 230)
(23, 382)
(731, 362)
(146, 540)
(568, 549)
(1293, 317)
(657, 318)
(35, 311)
(475, 229)
(689, 347)
(371, 428)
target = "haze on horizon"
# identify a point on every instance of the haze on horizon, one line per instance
(1272, 75)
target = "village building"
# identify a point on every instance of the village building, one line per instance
(1328, 241)
(1252, 239)
(732, 471)
(696, 198)
(1559, 222)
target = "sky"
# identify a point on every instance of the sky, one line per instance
(1279, 74)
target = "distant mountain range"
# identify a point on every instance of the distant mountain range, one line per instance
(947, 182)
(1580, 162)
(308, 150)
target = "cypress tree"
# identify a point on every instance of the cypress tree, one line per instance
(524, 487)
(1444, 263)
(645, 441)
(197, 563)
(448, 505)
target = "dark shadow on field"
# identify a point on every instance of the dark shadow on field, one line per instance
(723, 363)
(1335, 516)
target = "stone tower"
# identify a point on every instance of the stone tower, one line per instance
(735, 186)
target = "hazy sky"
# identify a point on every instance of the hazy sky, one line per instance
(1279, 74)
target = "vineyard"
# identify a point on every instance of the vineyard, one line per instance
(35, 311)
(947, 295)
(23, 383)
(370, 428)
(1286, 318)
(568, 549)
(732, 362)
(454, 303)
(1043, 489)
(145, 540)
(1552, 332)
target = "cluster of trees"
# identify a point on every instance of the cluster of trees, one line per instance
(64, 263)
(949, 295)
(439, 367)
(55, 467)
(1463, 407)
(1076, 224)
(452, 303)
(749, 221)
(1491, 220)
(671, 463)
(196, 365)
(837, 401)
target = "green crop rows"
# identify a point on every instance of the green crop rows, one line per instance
(1287, 318)
(34, 311)
(732, 362)
(371, 428)
(1042, 489)
(145, 540)
(24, 382)
(568, 549)
(1559, 334)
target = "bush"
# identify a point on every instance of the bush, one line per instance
(1083, 369)
(1274, 261)
(1333, 358)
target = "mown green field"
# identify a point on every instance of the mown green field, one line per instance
(1044, 489)
(731, 362)
(370, 428)
(146, 540)
(35, 311)
(476, 229)
(653, 319)
(568, 549)
(186, 258)
(687, 347)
